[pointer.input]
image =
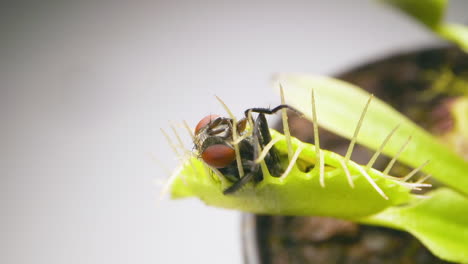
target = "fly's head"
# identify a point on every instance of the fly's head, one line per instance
(214, 141)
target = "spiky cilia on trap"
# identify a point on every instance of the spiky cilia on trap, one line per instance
(244, 165)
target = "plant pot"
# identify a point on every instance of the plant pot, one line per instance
(419, 84)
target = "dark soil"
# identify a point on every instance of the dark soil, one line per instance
(418, 84)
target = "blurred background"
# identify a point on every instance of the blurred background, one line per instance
(86, 86)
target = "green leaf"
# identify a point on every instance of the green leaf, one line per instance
(440, 222)
(428, 12)
(431, 14)
(454, 32)
(339, 105)
(459, 110)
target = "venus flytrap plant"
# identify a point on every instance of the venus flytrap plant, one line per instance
(314, 182)
(321, 182)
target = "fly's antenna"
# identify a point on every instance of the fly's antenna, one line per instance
(356, 131)
(392, 162)
(284, 117)
(377, 153)
(317, 142)
(234, 137)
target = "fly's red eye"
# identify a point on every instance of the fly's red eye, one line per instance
(205, 121)
(218, 155)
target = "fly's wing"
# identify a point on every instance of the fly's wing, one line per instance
(262, 133)
(250, 149)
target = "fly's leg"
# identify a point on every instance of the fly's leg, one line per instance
(254, 170)
(268, 111)
(241, 182)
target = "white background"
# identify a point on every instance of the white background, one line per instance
(86, 86)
